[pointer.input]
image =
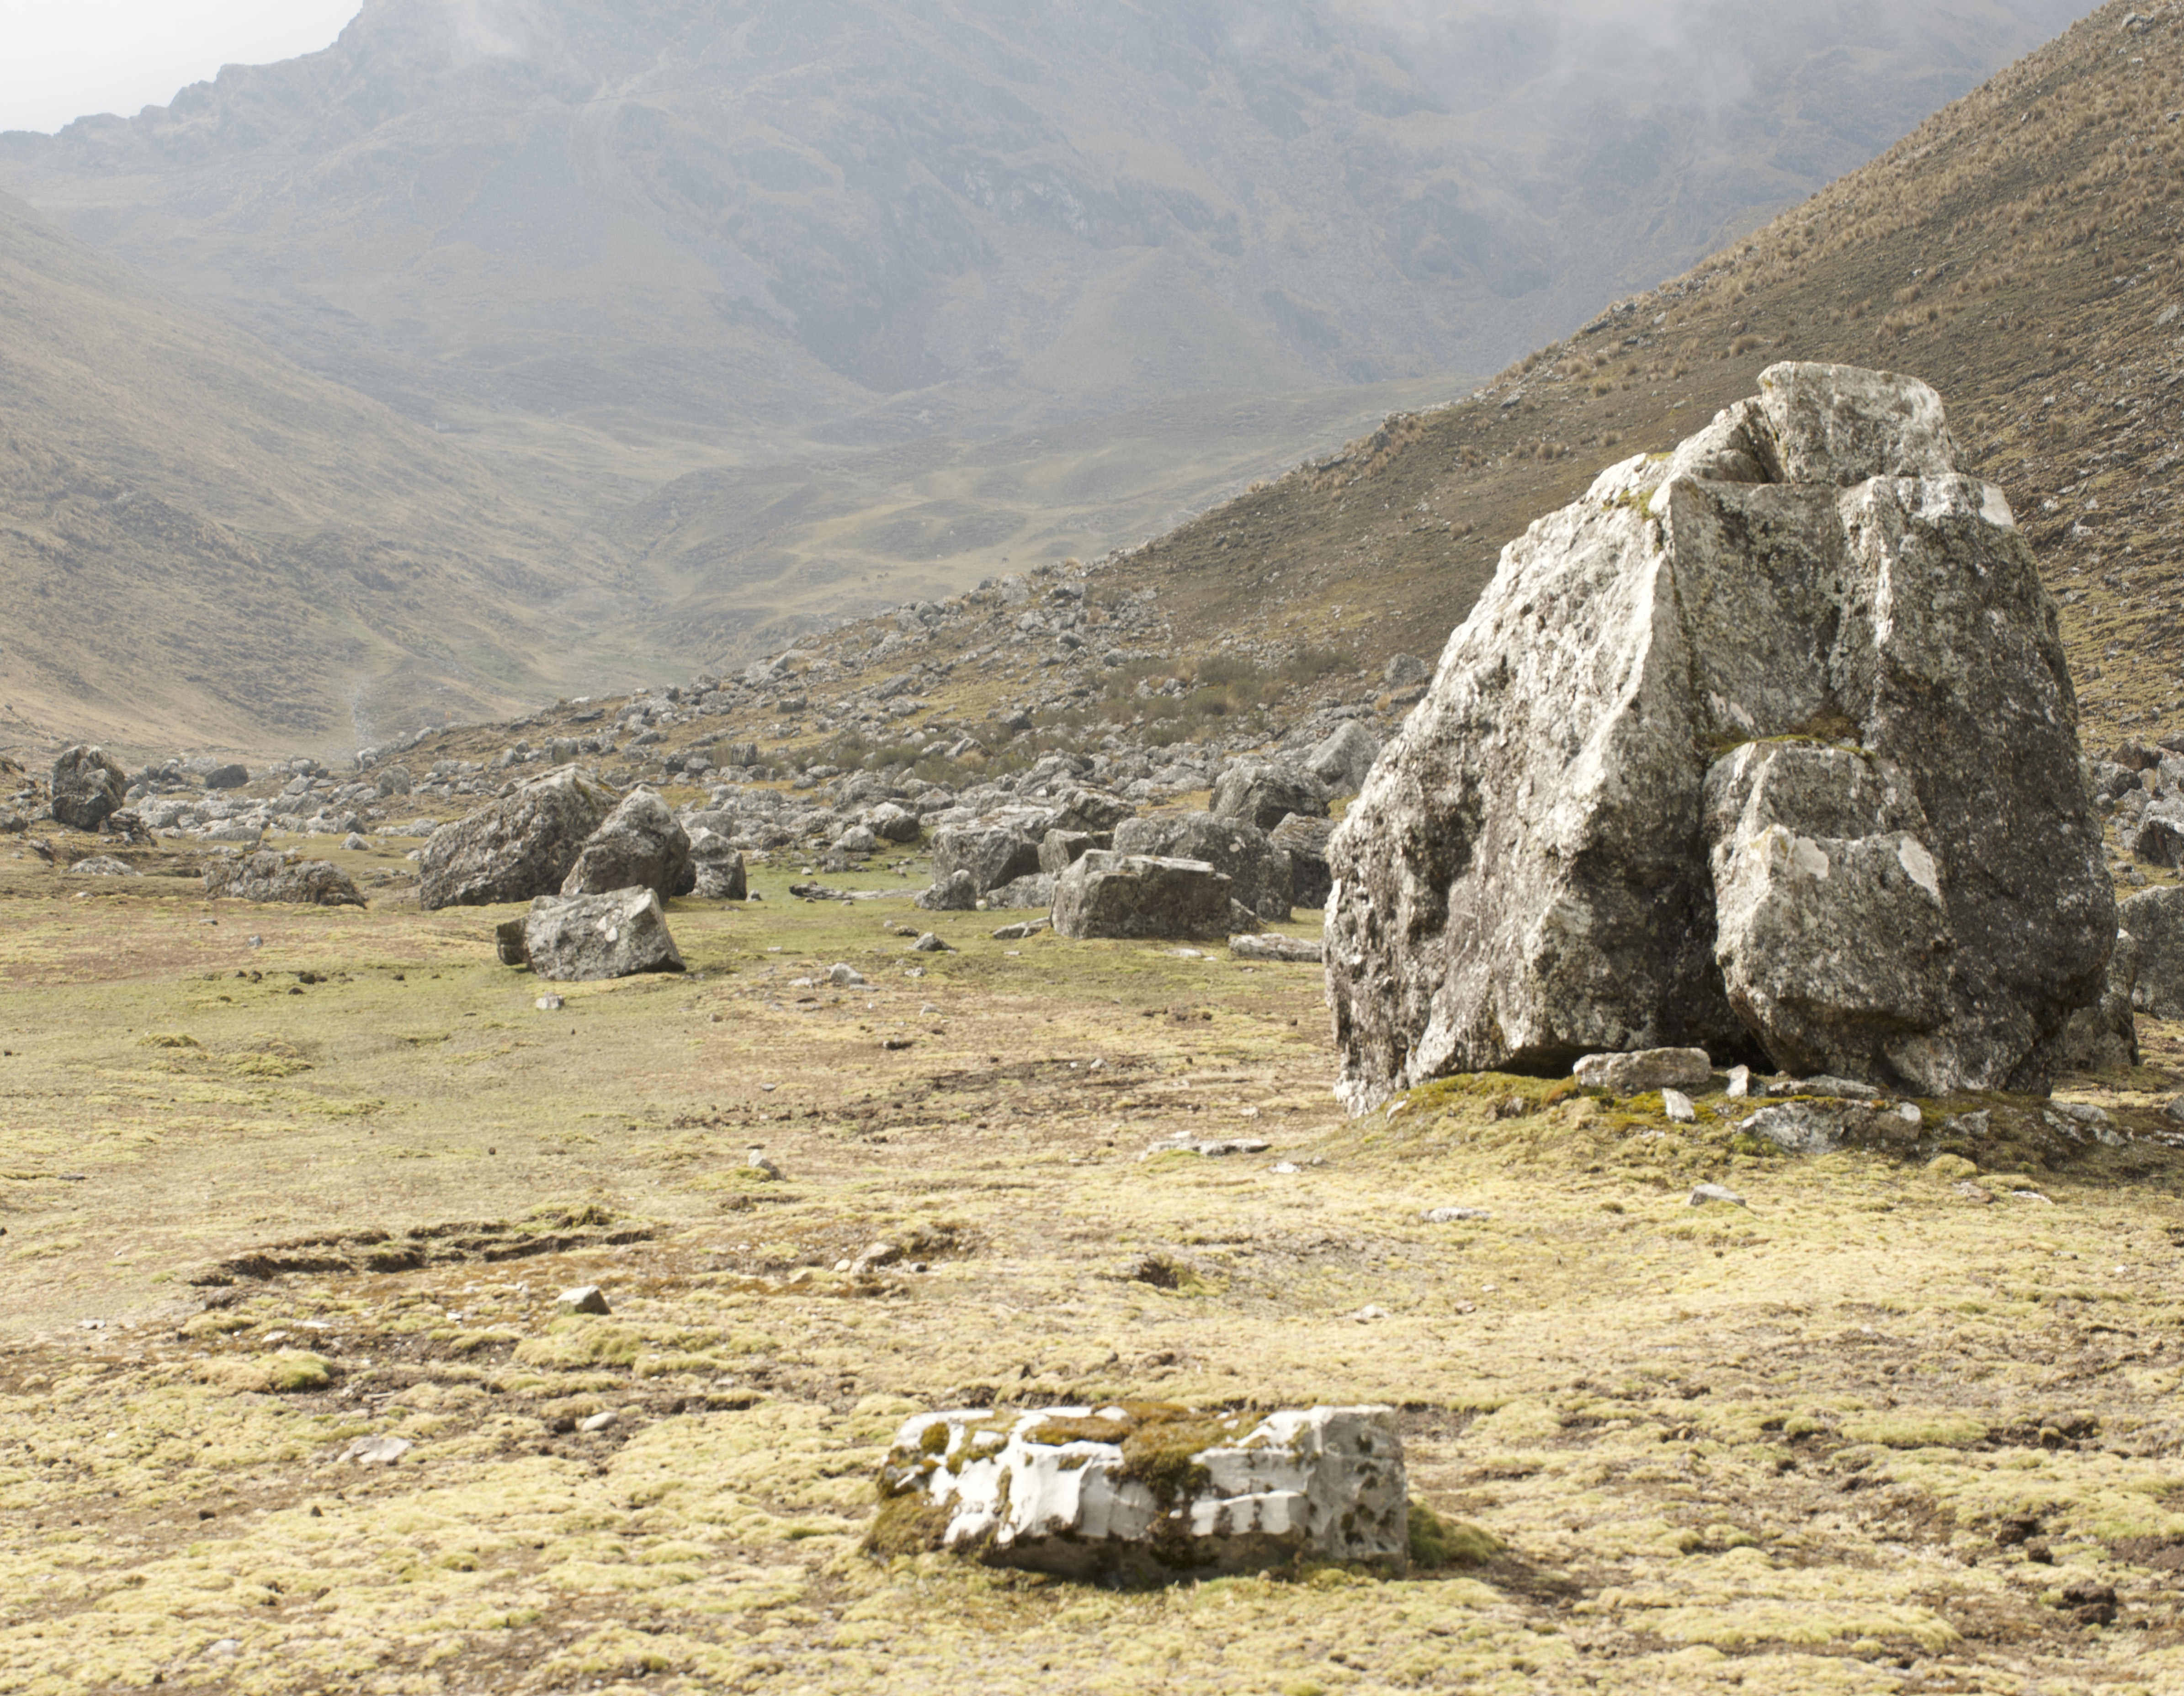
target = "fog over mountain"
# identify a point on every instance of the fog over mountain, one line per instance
(813, 303)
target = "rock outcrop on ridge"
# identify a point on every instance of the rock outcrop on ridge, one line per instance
(1770, 742)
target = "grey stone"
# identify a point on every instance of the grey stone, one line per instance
(1295, 950)
(1403, 670)
(588, 938)
(270, 876)
(372, 1451)
(1343, 760)
(956, 893)
(1209, 1148)
(1709, 1192)
(1237, 849)
(88, 785)
(1036, 890)
(2154, 918)
(992, 854)
(228, 774)
(843, 975)
(1051, 1490)
(2104, 1036)
(1454, 1216)
(587, 1298)
(930, 944)
(2159, 838)
(641, 844)
(1110, 893)
(521, 846)
(1602, 828)
(1678, 1106)
(102, 865)
(1096, 812)
(893, 824)
(391, 780)
(1820, 1084)
(1305, 841)
(1821, 1127)
(508, 943)
(858, 839)
(1024, 928)
(717, 868)
(599, 1421)
(1267, 791)
(1059, 850)
(1649, 1069)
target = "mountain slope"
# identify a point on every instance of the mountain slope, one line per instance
(2019, 251)
(800, 308)
(197, 539)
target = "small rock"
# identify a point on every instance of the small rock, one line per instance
(1298, 950)
(1212, 1148)
(755, 1160)
(1740, 1082)
(599, 1421)
(2030, 1195)
(1678, 1106)
(1973, 1193)
(1366, 1313)
(377, 1451)
(1647, 1069)
(930, 944)
(879, 1255)
(227, 1648)
(1452, 1216)
(1711, 1193)
(1027, 927)
(843, 975)
(549, 1003)
(355, 844)
(1285, 1168)
(584, 1298)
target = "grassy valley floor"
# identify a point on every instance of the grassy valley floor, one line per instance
(277, 1182)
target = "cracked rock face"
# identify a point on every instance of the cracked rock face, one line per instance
(640, 842)
(1767, 743)
(1150, 1492)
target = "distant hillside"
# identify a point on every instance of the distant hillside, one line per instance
(2019, 250)
(199, 541)
(803, 308)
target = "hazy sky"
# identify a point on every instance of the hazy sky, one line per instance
(63, 59)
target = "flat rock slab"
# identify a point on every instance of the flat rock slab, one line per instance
(1148, 1491)
(1144, 896)
(1294, 950)
(270, 876)
(1649, 1069)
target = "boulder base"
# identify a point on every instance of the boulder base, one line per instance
(1148, 1492)
(1236, 848)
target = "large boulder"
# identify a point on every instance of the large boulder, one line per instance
(1236, 848)
(641, 843)
(993, 854)
(1148, 1492)
(2154, 918)
(720, 872)
(893, 824)
(1108, 893)
(88, 786)
(585, 938)
(1305, 841)
(1344, 759)
(521, 846)
(270, 876)
(1267, 791)
(1771, 742)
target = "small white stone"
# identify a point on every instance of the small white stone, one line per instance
(1678, 1106)
(583, 1298)
(597, 1421)
(1706, 1192)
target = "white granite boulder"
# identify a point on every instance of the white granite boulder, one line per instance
(586, 938)
(1148, 1491)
